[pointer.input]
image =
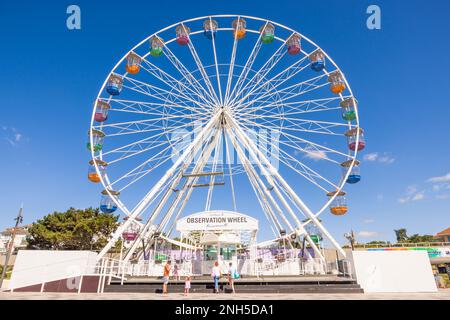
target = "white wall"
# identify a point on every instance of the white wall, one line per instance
(394, 271)
(37, 266)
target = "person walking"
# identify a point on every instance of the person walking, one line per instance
(216, 274)
(232, 275)
(187, 285)
(166, 275)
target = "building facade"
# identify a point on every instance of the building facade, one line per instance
(20, 240)
(443, 236)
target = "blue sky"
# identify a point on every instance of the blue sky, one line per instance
(50, 76)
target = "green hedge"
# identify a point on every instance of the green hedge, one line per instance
(8, 272)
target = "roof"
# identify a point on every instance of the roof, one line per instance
(19, 231)
(444, 232)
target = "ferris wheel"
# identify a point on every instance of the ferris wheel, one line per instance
(211, 101)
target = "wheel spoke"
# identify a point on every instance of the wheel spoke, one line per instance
(175, 84)
(247, 67)
(290, 92)
(188, 75)
(217, 67)
(279, 79)
(261, 73)
(157, 93)
(202, 70)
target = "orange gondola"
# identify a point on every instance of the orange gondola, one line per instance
(239, 28)
(337, 84)
(93, 175)
(133, 63)
(339, 205)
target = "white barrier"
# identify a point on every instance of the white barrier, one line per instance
(394, 271)
(39, 266)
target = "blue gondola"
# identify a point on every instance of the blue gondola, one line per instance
(353, 178)
(318, 65)
(210, 28)
(107, 205)
(114, 86)
(355, 173)
(317, 59)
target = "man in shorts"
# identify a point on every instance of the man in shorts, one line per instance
(166, 275)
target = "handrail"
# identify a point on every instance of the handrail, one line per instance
(403, 245)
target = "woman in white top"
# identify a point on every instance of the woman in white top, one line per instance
(216, 274)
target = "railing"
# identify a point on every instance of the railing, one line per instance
(403, 245)
(110, 268)
(296, 266)
(106, 269)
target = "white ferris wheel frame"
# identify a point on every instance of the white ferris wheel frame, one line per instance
(280, 186)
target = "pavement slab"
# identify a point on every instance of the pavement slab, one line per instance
(443, 294)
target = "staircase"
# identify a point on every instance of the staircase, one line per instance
(320, 284)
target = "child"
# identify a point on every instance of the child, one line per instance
(175, 273)
(187, 285)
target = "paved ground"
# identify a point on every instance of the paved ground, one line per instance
(440, 295)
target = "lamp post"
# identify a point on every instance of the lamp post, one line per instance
(10, 249)
(351, 238)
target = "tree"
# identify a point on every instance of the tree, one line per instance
(416, 238)
(8, 271)
(74, 229)
(401, 235)
(378, 242)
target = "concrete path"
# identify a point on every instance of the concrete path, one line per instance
(440, 295)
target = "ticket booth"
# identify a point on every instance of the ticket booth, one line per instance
(220, 235)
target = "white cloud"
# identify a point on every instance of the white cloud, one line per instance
(412, 194)
(436, 187)
(12, 143)
(371, 156)
(411, 189)
(384, 158)
(444, 178)
(403, 200)
(439, 185)
(368, 234)
(12, 136)
(314, 154)
(418, 196)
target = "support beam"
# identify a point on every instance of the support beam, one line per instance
(198, 167)
(169, 173)
(190, 182)
(252, 175)
(253, 149)
(300, 229)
